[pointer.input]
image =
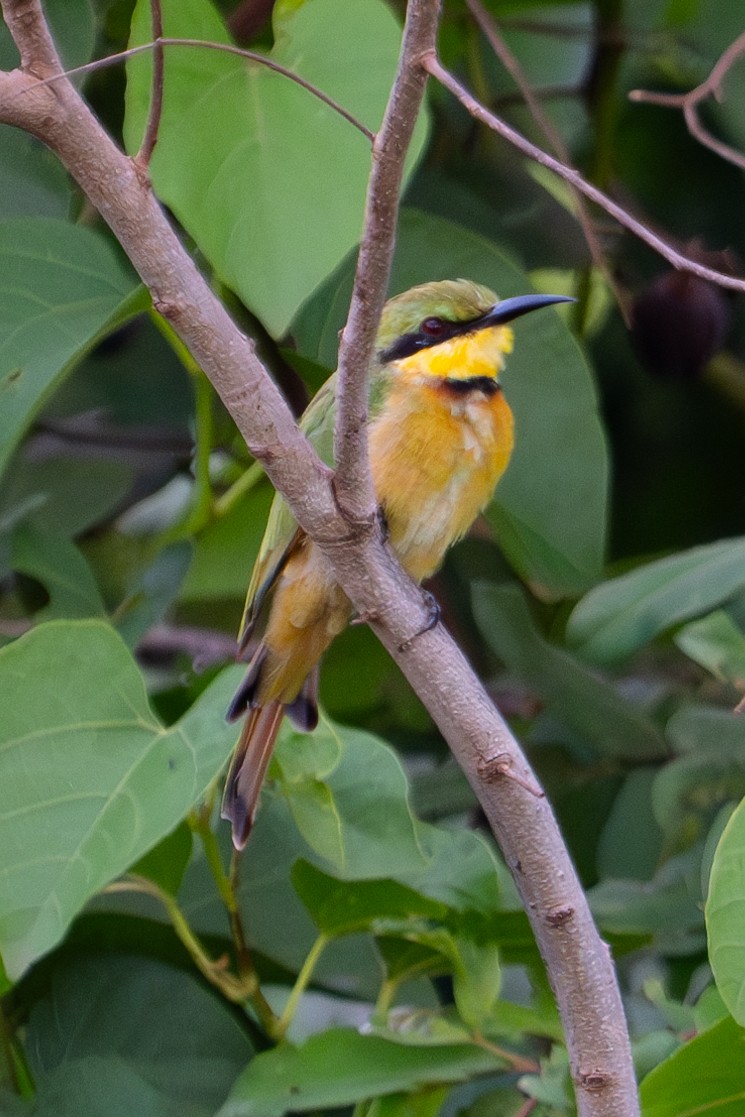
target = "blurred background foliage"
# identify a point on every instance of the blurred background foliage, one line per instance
(601, 597)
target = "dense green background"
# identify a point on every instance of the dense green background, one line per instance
(602, 597)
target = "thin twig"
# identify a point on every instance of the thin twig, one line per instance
(689, 102)
(684, 263)
(227, 48)
(156, 97)
(510, 62)
(353, 484)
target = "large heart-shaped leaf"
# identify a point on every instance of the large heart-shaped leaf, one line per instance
(91, 780)
(268, 180)
(62, 286)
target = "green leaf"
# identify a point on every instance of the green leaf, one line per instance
(552, 1086)
(340, 907)
(511, 1020)
(460, 870)
(618, 617)
(554, 534)
(99, 1086)
(11, 1105)
(631, 813)
(341, 1067)
(224, 552)
(349, 796)
(725, 915)
(679, 1017)
(406, 959)
(474, 966)
(703, 1076)
(668, 906)
(426, 1103)
(374, 837)
(699, 729)
(327, 777)
(423, 1027)
(593, 708)
(90, 778)
(153, 592)
(33, 182)
(268, 180)
(59, 566)
(477, 979)
(691, 789)
(390, 909)
(716, 643)
(709, 1009)
(73, 30)
(651, 1049)
(166, 863)
(124, 1016)
(711, 843)
(277, 923)
(62, 495)
(63, 288)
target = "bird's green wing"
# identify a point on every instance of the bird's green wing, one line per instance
(282, 533)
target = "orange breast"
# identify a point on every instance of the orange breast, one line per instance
(436, 457)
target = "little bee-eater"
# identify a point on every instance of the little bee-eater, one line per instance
(440, 437)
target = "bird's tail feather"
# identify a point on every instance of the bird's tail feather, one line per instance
(248, 767)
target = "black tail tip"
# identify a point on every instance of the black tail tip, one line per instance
(234, 811)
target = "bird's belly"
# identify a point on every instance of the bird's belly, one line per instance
(435, 469)
(309, 609)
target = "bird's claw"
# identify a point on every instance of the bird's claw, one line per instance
(383, 524)
(433, 619)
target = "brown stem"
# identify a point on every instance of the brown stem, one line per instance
(689, 102)
(432, 64)
(490, 29)
(227, 48)
(156, 98)
(353, 483)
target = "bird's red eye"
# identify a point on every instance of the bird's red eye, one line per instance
(433, 327)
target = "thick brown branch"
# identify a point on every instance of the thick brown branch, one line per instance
(575, 179)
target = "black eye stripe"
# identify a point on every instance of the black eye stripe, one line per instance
(408, 344)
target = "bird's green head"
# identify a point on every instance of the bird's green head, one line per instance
(453, 329)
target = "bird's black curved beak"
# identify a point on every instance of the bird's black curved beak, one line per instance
(509, 309)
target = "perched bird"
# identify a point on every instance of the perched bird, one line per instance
(440, 437)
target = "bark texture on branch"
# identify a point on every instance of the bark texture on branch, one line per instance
(577, 960)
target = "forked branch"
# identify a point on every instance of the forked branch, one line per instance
(691, 101)
(578, 962)
(684, 263)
